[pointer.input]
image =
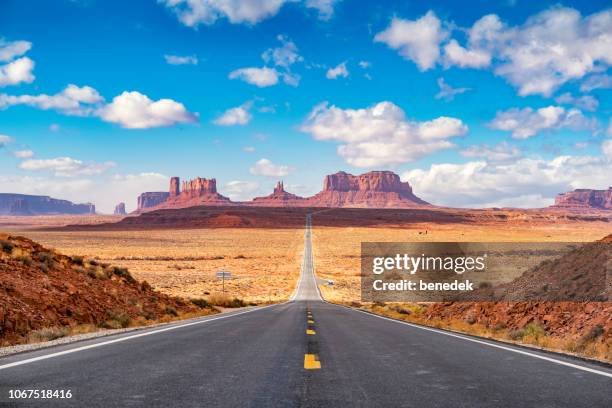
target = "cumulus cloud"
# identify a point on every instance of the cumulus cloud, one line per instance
(134, 110)
(11, 50)
(23, 154)
(66, 166)
(501, 152)
(527, 122)
(548, 50)
(529, 182)
(337, 71)
(239, 115)
(17, 72)
(195, 12)
(324, 7)
(73, 100)
(537, 57)
(261, 77)
(181, 60)
(417, 40)
(381, 135)
(265, 167)
(240, 190)
(585, 102)
(447, 92)
(192, 13)
(281, 58)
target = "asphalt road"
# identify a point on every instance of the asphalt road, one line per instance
(304, 353)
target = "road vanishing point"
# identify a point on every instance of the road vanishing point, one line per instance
(302, 353)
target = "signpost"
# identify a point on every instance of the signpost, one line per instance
(223, 275)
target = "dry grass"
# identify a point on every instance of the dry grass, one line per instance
(337, 250)
(264, 263)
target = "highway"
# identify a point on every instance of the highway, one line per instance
(303, 353)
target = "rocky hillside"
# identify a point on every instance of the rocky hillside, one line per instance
(41, 289)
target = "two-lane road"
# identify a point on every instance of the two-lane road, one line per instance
(305, 352)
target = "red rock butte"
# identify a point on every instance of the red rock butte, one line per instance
(376, 189)
(584, 199)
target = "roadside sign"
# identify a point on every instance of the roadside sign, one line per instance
(224, 275)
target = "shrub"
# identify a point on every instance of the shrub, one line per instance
(77, 260)
(46, 258)
(201, 303)
(226, 301)
(594, 333)
(6, 246)
(124, 273)
(25, 259)
(145, 286)
(117, 320)
(171, 311)
(44, 268)
(47, 334)
(516, 334)
(534, 331)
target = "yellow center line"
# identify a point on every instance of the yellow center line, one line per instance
(310, 331)
(311, 362)
(310, 321)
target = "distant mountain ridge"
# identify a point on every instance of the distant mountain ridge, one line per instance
(24, 204)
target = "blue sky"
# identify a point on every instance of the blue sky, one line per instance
(489, 103)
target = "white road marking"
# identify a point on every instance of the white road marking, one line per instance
(121, 339)
(486, 343)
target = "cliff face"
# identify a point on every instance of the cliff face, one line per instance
(585, 199)
(23, 204)
(151, 199)
(376, 189)
(279, 198)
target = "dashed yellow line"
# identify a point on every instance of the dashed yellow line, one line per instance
(311, 332)
(310, 321)
(311, 362)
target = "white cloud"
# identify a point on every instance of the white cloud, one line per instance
(364, 64)
(248, 149)
(324, 7)
(134, 110)
(239, 115)
(4, 140)
(283, 56)
(447, 92)
(11, 50)
(585, 102)
(606, 148)
(54, 127)
(592, 82)
(338, 71)
(73, 100)
(66, 166)
(501, 152)
(240, 190)
(23, 154)
(195, 12)
(529, 182)
(455, 54)
(181, 60)
(381, 135)
(416, 40)
(17, 72)
(265, 167)
(261, 77)
(551, 48)
(526, 122)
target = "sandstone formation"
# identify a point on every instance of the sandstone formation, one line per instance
(151, 199)
(376, 189)
(278, 198)
(584, 199)
(120, 209)
(23, 204)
